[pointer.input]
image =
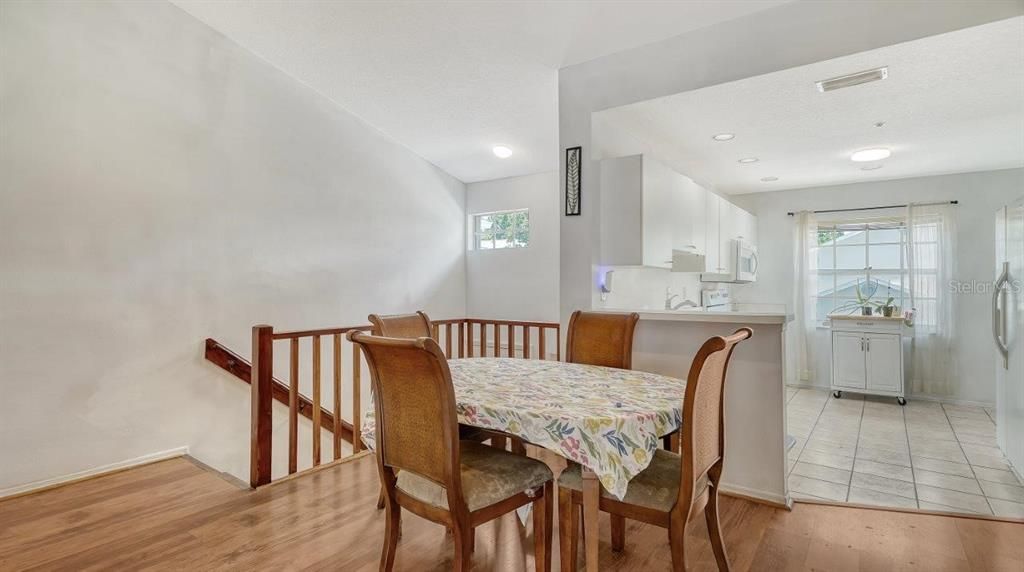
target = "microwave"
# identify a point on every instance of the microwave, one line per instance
(746, 261)
(743, 268)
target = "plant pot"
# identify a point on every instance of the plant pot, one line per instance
(865, 310)
(888, 311)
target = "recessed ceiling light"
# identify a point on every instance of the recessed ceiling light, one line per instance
(502, 151)
(870, 167)
(769, 179)
(870, 155)
(747, 160)
(724, 136)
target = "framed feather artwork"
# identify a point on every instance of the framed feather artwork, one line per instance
(573, 180)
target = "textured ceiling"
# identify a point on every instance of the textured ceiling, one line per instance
(452, 79)
(952, 103)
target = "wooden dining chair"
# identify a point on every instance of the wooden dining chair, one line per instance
(461, 484)
(674, 488)
(601, 338)
(412, 326)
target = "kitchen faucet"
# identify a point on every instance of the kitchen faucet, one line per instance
(669, 296)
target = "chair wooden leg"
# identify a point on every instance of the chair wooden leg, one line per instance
(618, 532)
(499, 442)
(380, 498)
(542, 509)
(568, 530)
(676, 541)
(392, 529)
(712, 515)
(472, 540)
(463, 548)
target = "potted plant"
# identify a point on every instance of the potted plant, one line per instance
(863, 301)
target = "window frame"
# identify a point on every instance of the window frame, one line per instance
(476, 232)
(835, 272)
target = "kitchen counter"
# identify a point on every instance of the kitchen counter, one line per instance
(731, 317)
(666, 341)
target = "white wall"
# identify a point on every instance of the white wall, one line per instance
(159, 185)
(980, 194)
(516, 283)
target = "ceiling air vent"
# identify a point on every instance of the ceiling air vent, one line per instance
(858, 78)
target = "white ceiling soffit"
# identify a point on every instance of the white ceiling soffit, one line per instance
(450, 80)
(952, 103)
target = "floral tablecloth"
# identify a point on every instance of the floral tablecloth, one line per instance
(608, 420)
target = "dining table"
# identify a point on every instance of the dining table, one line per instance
(608, 420)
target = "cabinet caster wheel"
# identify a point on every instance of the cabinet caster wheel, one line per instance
(901, 401)
(837, 394)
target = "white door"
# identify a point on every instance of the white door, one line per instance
(1008, 322)
(848, 367)
(884, 364)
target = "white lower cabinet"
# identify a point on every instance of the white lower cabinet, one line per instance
(867, 356)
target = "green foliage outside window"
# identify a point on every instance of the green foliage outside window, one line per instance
(508, 229)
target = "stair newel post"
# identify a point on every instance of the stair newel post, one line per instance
(262, 377)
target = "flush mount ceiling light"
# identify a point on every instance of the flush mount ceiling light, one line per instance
(865, 155)
(870, 167)
(502, 151)
(748, 160)
(769, 179)
(852, 79)
(724, 136)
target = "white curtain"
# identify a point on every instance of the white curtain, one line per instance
(805, 280)
(931, 231)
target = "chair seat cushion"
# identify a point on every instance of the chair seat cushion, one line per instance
(489, 476)
(656, 487)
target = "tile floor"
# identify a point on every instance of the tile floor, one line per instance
(870, 450)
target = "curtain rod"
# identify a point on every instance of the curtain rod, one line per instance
(885, 207)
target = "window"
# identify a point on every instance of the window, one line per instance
(504, 229)
(868, 261)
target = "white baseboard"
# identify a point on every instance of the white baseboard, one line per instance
(756, 495)
(94, 472)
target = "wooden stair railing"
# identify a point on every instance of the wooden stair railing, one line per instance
(458, 337)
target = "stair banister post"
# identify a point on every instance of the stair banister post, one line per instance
(262, 377)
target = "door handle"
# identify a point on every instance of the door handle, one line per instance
(998, 323)
(862, 344)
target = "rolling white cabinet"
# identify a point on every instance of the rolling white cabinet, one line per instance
(868, 356)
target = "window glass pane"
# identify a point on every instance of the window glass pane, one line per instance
(848, 285)
(890, 284)
(826, 257)
(885, 257)
(510, 229)
(850, 258)
(823, 307)
(925, 285)
(851, 236)
(926, 232)
(878, 235)
(825, 283)
(926, 255)
(827, 236)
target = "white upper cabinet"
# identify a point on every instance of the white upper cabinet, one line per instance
(648, 211)
(690, 232)
(712, 233)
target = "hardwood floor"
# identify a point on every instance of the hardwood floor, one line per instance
(176, 515)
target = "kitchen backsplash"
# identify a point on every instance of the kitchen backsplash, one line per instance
(643, 288)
